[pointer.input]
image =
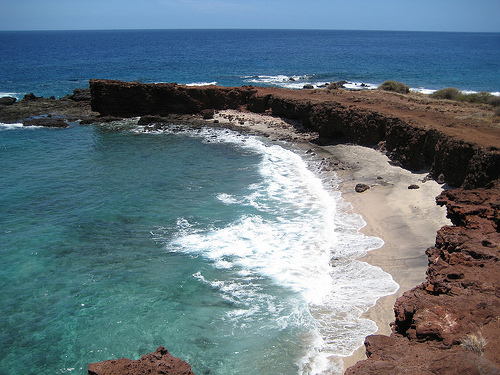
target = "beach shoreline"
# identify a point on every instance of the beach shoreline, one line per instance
(405, 219)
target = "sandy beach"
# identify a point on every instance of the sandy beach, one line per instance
(406, 219)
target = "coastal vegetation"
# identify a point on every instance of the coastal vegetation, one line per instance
(452, 93)
(395, 86)
(449, 93)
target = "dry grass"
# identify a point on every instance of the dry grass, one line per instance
(475, 343)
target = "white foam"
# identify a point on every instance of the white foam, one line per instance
(12, 94)
(202, 84)
(301, 240)
(422, 90)
(227, 198)
(360, 86)
(291, 82)
(10, 126)
(426, 91)
(15, 126)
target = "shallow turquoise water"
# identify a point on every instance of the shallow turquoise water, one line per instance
(215, 245)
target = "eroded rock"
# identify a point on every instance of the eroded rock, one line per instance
(155, 363)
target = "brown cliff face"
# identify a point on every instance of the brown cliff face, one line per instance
(416, 135)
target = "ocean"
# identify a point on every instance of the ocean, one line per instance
(235, 253)
(56, 62)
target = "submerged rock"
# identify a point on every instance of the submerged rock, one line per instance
(49, 122)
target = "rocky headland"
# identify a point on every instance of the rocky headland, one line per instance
(449, 324)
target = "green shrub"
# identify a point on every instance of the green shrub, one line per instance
(395, 87)
(447, 93)
(494, 101)
(452, 93)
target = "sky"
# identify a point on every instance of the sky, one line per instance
(407, 15)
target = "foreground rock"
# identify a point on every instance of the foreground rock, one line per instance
(450, 324)
(158, 362)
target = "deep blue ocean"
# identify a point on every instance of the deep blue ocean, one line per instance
(54, 63)
(233, 252)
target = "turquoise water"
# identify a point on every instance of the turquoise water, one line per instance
(224, 248)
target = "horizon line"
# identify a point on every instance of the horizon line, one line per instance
(248, 29)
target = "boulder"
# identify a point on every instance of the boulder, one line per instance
(155, 363)
(360, 188)
(207, 114)
(7, 100)
(31, 97)
(80, 95)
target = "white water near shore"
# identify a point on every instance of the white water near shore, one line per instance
(299, 237)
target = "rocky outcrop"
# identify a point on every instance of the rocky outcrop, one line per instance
(450, 324)
(456, 161)
(7, 100)
(158, 362)
(40, 111)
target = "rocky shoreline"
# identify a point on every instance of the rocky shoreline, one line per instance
(450, 323)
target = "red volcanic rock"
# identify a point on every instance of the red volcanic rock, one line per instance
(450, 324)
(397, 355)
(158, 362)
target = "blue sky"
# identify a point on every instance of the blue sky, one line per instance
(418, 15)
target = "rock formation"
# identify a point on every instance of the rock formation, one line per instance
(158, 362)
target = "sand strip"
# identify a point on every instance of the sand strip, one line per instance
(406, 219)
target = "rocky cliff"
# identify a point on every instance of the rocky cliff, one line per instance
(459, 161)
